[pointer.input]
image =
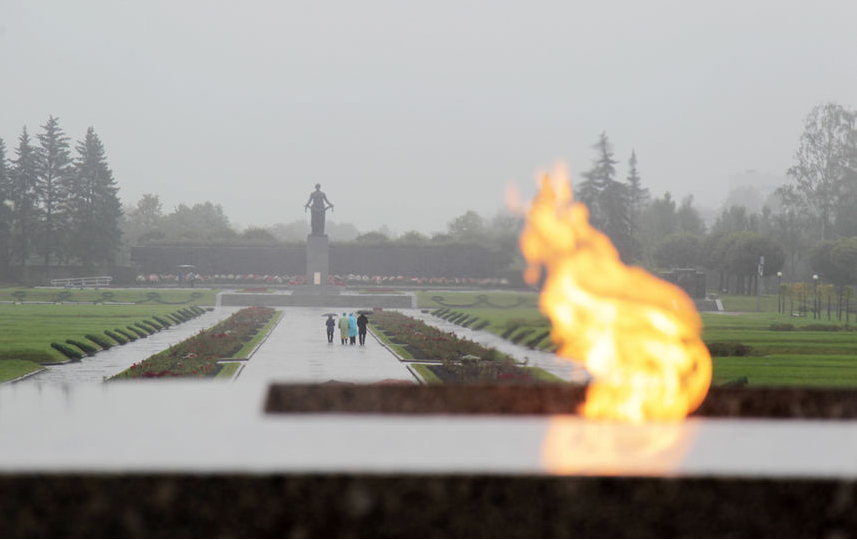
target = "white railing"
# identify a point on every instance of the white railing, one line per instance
(83, 282)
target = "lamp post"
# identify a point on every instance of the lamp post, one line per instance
(780, 299)
(815, 296)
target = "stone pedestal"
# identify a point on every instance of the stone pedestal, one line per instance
(317, 258)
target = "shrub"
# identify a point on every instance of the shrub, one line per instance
(178, 318)
(740, 382)
(69, 352)
(729, 349)
(98, 340)
(121, 340)
(459, 318)
(144, 328)
(511, 326)
(781, 327)
(469, 321)
(524, 332)
(538, 339)
(822, 327)
(130, 336)
(162, 321)
(137, 332)
(481, 324)
(153, 324)
(149, 326)
(449, 315)
(86, 348)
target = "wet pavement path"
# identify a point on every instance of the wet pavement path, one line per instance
(297, 351)
(94, 369)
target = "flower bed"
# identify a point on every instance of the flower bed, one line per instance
(197, 356)
(463, 360)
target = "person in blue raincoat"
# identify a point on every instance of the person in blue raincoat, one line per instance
(352, 328)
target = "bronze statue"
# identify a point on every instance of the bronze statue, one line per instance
(318, 205)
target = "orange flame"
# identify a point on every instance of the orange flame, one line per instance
(638, 335)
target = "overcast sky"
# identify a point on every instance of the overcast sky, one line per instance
(410, 113)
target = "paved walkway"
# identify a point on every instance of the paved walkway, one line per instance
(297, 351)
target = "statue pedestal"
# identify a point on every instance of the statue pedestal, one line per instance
(317, 259)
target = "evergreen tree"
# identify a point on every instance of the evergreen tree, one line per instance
(5, 211)
(22, 194)
(608, 201)
(638, 196)
(54, 170)
(93, 204)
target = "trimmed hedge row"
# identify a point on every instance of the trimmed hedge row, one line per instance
(75, 349)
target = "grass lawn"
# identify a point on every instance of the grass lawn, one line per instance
(783, 358)
(27, 330)
(227, 371)
(12, 369)
(791, 358)
(396, 348)
(200, 297)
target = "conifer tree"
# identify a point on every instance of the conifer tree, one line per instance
(22, 194)
(638, 196)
(608, 200)
(54, 169)
(5, 211)
(94, 207)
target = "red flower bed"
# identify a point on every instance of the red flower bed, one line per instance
(463, 360)
(197, 356)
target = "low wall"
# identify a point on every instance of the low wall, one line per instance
(453, 260)
(365, 301)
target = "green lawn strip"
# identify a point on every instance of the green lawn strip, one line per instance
(788, 370)
(426, 299)
(428, 376)
(203, 297)
(743, 302)
(521, 320)
(13, 369)
(397, 349)
(27, 330)
(253, 343)
(227, 370)
(538, 374)
(543, 375)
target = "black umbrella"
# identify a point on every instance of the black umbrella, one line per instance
(330, 314)
(365, 312)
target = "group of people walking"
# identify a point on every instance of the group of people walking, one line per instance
(350, 328)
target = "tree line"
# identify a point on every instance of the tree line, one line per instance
(58, 204)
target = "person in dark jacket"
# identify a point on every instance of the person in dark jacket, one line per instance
(362, 321)
(331, 325)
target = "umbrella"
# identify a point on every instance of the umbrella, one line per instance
(330, 314)
(365, 312)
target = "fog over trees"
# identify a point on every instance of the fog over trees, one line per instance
(61, 206)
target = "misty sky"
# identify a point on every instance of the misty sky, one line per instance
(410, 113)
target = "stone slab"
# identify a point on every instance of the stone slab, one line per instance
(234, 505)
(317, 259)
